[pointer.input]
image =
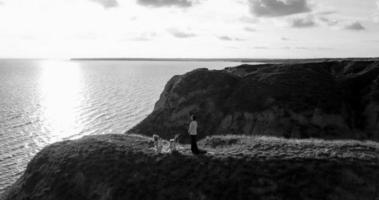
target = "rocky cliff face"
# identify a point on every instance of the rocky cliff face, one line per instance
(335, 99)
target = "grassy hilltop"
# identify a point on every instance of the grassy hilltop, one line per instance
(238, 167)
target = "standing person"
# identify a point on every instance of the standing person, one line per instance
(192, 131)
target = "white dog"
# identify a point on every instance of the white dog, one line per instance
(157, 143)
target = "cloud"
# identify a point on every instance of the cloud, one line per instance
(276, 8)
(376, 15)
(329, 22)
(325, 13)
(145, 37)
(227, 38)
(312, 48)
(303, 22)
(181, 34)
(249, 29)
(165, 3)
(249, 19)
(260, 47)
(107, 3)
(355, 26)
(305, 48)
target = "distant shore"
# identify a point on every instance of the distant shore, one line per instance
(243, 60)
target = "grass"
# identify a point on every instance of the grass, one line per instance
(238, 167)
(244, 139)
(281, 148)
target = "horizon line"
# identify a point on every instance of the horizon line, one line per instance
(192, 58)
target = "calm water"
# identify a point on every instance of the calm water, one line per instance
(44, 101)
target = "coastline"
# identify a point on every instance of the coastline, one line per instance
(242, 60)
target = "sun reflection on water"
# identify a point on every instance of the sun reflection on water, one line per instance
(61, 93)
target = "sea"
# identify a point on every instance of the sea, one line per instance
(45, 101)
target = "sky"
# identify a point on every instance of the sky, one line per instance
(189, 28)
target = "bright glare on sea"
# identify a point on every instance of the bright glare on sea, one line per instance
(44, 101)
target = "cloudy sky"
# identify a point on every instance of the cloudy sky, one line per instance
(189, 28)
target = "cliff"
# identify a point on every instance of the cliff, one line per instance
(332, 99)
(115, 167)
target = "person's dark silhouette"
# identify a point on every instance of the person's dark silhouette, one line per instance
(192, 131)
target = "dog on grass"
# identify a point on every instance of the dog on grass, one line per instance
(157, 143)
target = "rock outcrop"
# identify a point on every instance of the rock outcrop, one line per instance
(334, 99)
(117, 167)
